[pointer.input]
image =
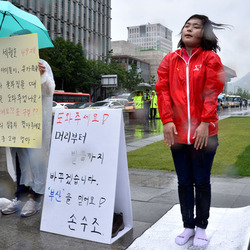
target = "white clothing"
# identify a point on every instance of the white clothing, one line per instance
(4, 203)
(34, 161)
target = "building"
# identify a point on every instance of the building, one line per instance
(84, 21)
(124, 53)
(230, 73)
(147, 43)
(151, 36)
(152, 57)
(127, 61)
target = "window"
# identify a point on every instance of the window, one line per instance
(34, 5)
(62, 8)
(25, 3)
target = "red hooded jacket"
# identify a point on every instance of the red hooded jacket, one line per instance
(187, 92)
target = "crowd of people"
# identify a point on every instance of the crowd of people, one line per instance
(243, 103)
(148, 102)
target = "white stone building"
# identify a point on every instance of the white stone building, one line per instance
(151, 36)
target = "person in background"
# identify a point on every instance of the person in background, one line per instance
(138, 100)
(153, 105)
(190, 80)
(241, 103)
(31, 163)
(219, 106)
(147, 101)
(245, 103)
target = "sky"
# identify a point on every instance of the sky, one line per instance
(234, 41)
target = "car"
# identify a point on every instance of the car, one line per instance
(69, 105)
(107, 104)
(76, 105)
(86, 105)
(122, 101)
(56, 105)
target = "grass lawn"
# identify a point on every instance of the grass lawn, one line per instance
(232, 157)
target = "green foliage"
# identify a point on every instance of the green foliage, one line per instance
(152, 79)
(73, 72)
(68, 64)
(133, 77)
(232, 157)
(243, 93)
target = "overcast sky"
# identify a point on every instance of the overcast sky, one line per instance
(234, 43)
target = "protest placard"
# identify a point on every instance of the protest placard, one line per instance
(87, 180)
(20, 92)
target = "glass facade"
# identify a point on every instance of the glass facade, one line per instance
(84, 21)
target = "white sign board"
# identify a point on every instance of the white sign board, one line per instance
(20, 92)
(87, 178)
(109, 80)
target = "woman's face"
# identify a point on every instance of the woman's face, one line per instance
(192, 33)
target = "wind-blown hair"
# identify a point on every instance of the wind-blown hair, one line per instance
(209, 41)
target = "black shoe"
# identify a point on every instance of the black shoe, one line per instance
(118, 224)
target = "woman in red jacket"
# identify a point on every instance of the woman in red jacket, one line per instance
(190, 80)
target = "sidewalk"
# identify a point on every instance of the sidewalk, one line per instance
(153, 194)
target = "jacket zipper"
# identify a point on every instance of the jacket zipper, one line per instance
(188, 103)
(188, 96)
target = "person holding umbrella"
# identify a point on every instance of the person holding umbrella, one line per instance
(153, 105)
(30, 164)
(147, 101)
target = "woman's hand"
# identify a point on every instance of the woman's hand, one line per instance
(201, 135)
(41, 68)
(169, 130)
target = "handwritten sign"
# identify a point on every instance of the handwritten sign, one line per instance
(20, 92)
(87, 178)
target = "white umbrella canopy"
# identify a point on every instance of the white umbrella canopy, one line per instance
(144, 85)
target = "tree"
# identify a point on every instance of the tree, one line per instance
(243, 94)
(133, 77)
(73, 72)
(117, 69)
(68, 64)
(152, 79)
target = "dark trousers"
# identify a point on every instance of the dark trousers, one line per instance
(152, 113)
(193, 168)
(23, 191)
(146, 109)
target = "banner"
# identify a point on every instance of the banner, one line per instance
(87, 180)
(20, 92)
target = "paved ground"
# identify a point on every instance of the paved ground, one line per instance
(153, 193)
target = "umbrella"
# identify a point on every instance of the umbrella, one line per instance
(144, 85)
(220, 96)
(134, 93)
(13, 19)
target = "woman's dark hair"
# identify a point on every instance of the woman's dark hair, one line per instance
(209, 41)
